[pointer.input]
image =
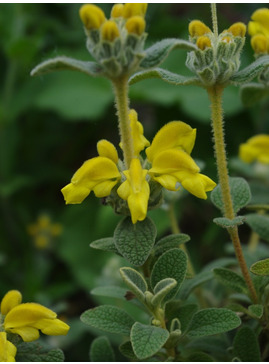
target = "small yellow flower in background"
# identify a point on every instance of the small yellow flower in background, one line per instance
(25, 320)
(91, 16)
(136, 191)
(258, 29)
(132, 9)
(7, 349)
(255, 149)
(43, 231)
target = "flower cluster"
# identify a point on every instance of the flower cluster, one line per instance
(255, 149)
(218, 55)
(25, 319)
(167, 164)
(258, 29)
(116, 43)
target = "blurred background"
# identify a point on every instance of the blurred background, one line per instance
(50, 125)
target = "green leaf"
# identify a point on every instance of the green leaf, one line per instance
(147, 340)
(260, 268)
(231, 279)
(108, 318)
(109, 291)
(31, 352)
(190, 284)
(101, 350)
(246, 346)
(135, 281)
(252, 93)
(240, 192)
(254, 69)
(172, 264)
(65, 63)
(175, 309)
(170, 242)
(167, 76)
(161, 290)
(256, 310)
(105, 244)
(228, 223)
(127, 350)
(157, 53)
(199, 356)
(259, 224)
(135, 242)
(211, 321)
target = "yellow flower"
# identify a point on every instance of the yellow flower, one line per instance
(258, 28)
(203, 42)
(110, 31)
(260, 43)
(132, 9)
(237, 29)
(135, 25)
(117, 11)
(256, 148)
(91, 16)
(198, 28)
(25, 319)
(7, 349)
(135, 190)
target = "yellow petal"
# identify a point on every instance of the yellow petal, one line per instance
(256, 148)
(124, 190)
(27, 333)
(10, 300)
(117, 11)
(103, 189)
(198, 184)
(7, 349)
(52, 327)
(203, 42)
(261, 18)
(198, 28)
(167, 181)
(110, 31)
(107, 149)
(91, 16)
(135, 25)
(74, 194)
(132, 9)
(175, 134)
(138, 204)
(259, 43)
(237, 29)
(171, 161)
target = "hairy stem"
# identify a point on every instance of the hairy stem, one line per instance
(214, 19)
(122, 105)
(215, 96)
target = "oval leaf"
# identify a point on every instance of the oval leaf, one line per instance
(231, 279)
(135, 242)
(246, 346)
(240, 192)
(172, 264)
(66, 63)
(259, 224)
(167, 76)
(256, 310)
(228, 223)
(147, 340)
(30, 352)
(260, 268)
(252, 93)
(213, 321)
(101, 350)
(135, 281)
(251, 71)
(105, 244)
(157, 53)
(109, 291)
(170, 242)
(161, 290)
(108, 318)
(190, 284)
(127, 350)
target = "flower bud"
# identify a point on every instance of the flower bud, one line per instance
(203, 42)
(117, 11)
(131, 9)
(91, 16)
(107, 149)
(226, 39)
(198, 28)
(238, 29)
(259, 43)
(135, 25)
(110, 31)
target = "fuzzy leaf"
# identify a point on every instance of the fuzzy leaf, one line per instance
(34, 352)
(66, 63)
(135, 242)
(259, 224)
(240, 192)
(157, 53)
(246, 346)
(167, 76)
(254, 69)
(105, 244)
(147, 340)
(108, 318)
(127, 350)
(101, 350)
(213, 321)
(256, 310)
(228, 223)
(183, 313)
(172, 264)
(231, 279)
(170, 242)
(252, 93)
(109, 291)
(161, 290)
(190, 284)
(135, 281)
(260, 268)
